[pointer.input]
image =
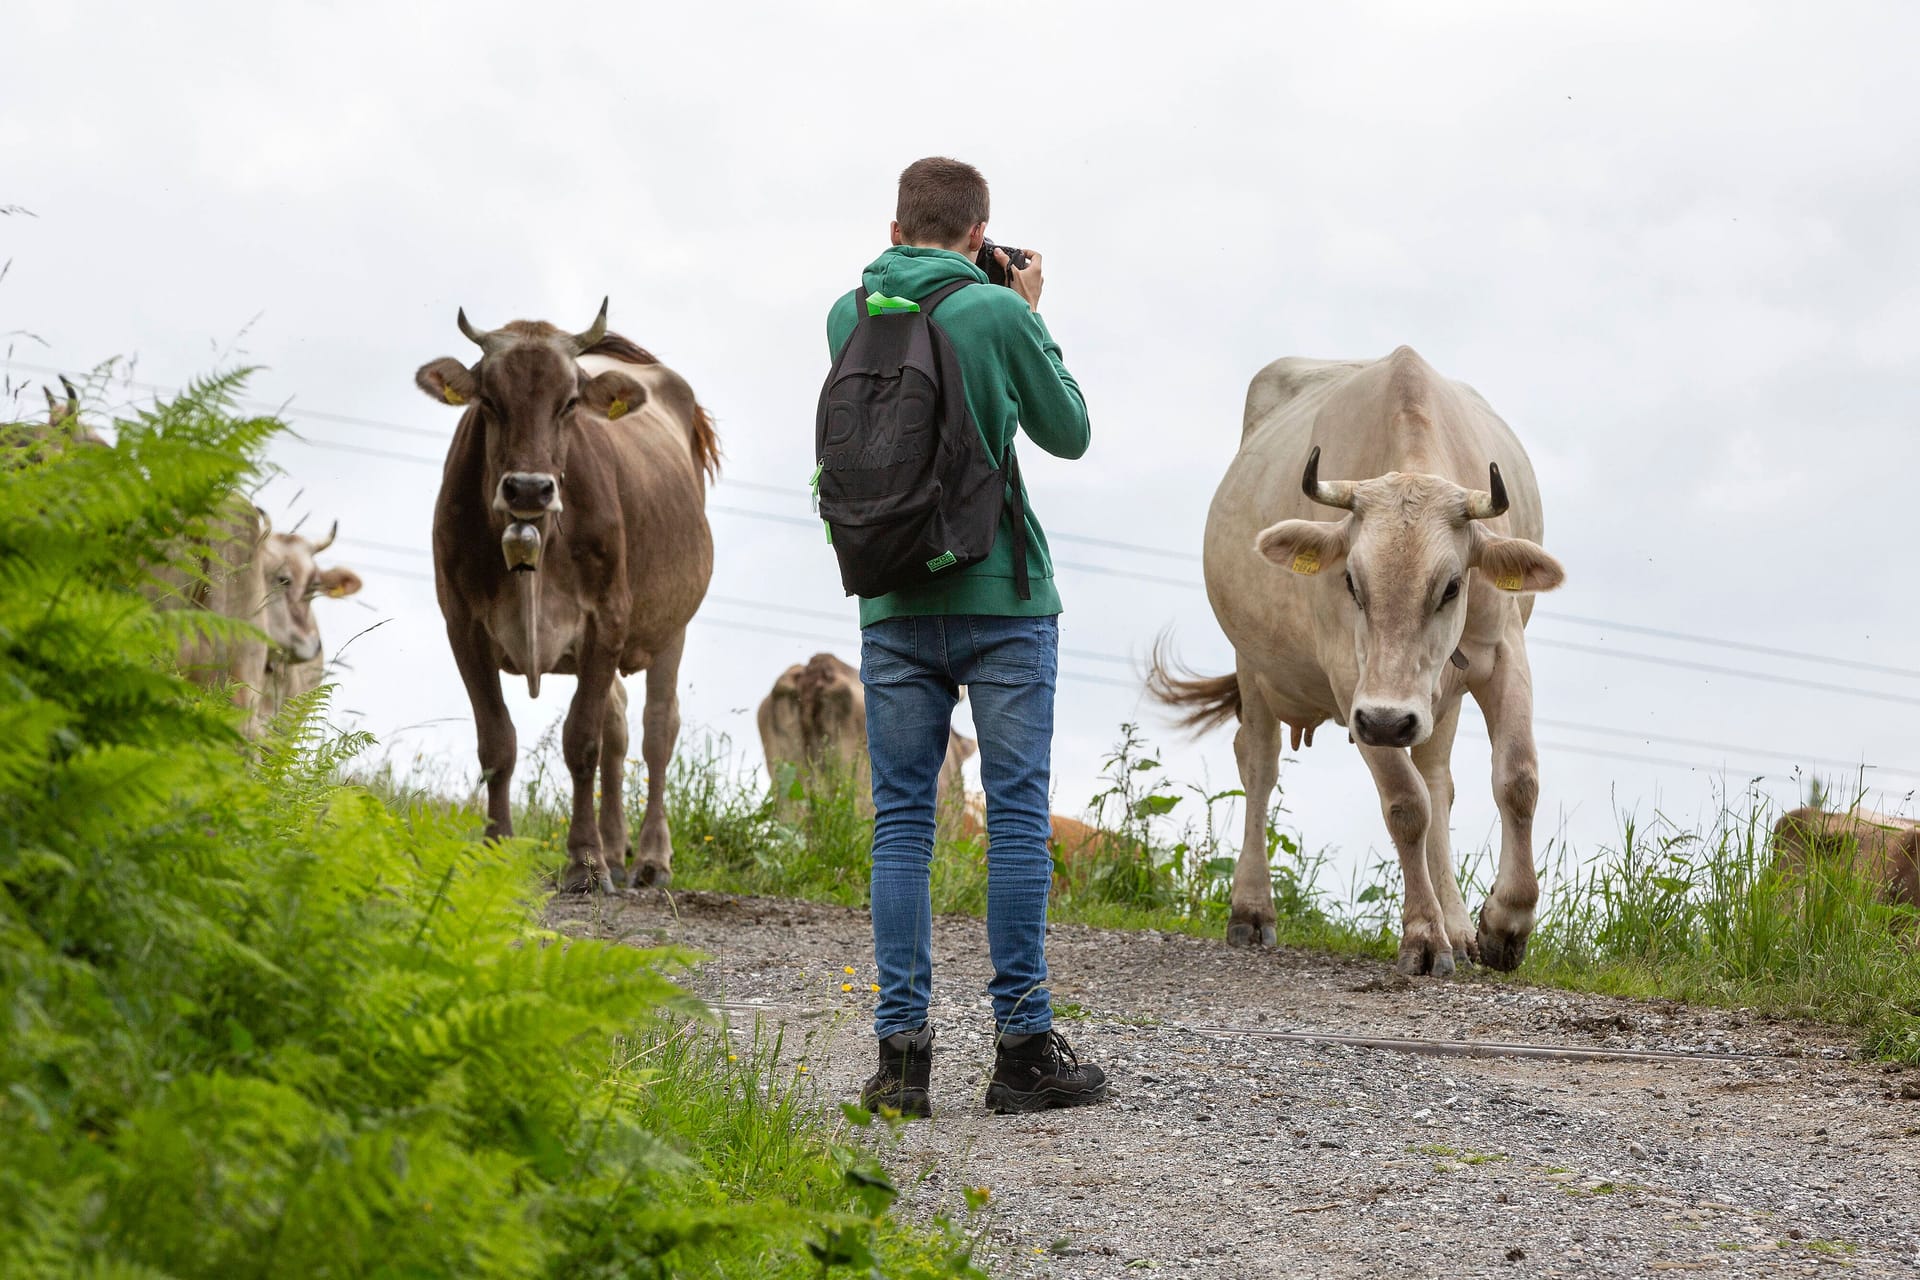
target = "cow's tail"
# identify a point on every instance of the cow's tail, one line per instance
(1205, 702)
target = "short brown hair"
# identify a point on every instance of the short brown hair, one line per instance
(940, 201)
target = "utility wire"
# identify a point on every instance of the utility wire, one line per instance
(1183, 584)
(1733, 750)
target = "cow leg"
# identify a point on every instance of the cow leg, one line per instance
(615, 844)
(580, 739)
(1256, 749)
(493, 726)
(1404, 804)
(1434, 759)
(1506, 700)
(659, 727)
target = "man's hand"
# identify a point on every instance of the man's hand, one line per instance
(1025, 280)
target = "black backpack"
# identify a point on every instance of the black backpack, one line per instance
(904, 482)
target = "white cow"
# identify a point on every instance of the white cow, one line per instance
(1380, 620)
(296, 659)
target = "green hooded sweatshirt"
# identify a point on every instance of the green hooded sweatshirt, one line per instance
(1014, 378)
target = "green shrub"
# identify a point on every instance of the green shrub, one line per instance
(257, 1023)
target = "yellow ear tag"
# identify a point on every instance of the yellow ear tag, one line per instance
(336, 592)
(617, 408)
(451, 396)
(1306, 562)
(1508, 582)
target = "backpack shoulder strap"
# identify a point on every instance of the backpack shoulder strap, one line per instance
(859, 310)
(1017, 513)
(940, 295)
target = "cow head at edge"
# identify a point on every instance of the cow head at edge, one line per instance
(527, 388)
(294, 579)
(1405, 551)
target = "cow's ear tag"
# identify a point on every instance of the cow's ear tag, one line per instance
(616, 409)
(1459, 659)
(1307, 562)
(451, 396)
(1508, 581)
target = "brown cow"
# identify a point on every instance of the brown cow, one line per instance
(1882, 849)
(1069, 840)
(815, 722)
(296, 659)
(570, 536)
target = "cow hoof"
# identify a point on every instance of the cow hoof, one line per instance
(1417, 959)
(650, 875)
(1247, 933)
(586, 880)
(1502, 951)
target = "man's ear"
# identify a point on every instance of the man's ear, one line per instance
(1514, 564)
(976, 237)
(894, 231)
(338, 582)
(612, 394)
(1305, 546)
(448, 380)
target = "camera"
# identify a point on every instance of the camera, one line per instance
(991, 265)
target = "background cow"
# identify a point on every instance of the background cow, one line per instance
(296, 658)
(1380, 620)
(1878, 848)
(586, 461)
(814, 723)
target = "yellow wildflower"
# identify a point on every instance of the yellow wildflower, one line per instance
(848, 969)
(873, 986)
(846, 986)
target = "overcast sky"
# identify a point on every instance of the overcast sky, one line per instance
(1674, 245)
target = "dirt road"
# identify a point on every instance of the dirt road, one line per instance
(1229, 1153)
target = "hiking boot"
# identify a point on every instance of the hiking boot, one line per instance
(1035, 1072)
(906, 1069)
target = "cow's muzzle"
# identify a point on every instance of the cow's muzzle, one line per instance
(1385, 725)
(527, 494)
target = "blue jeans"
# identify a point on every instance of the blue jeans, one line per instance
(913, 669)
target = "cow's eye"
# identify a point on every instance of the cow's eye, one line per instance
(285, 580)
(1352, 592)
(1451, 594)
(571, 405)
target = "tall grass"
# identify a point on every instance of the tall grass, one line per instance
(1694, 911)
(254, 1022)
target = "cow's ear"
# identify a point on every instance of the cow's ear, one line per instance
(1514, 564)
(612, 394)
(447, 380)
(338, 582)
(1304, 546)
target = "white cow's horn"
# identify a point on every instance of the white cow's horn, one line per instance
(1485, 505)
(1328, 493)
(591, 338)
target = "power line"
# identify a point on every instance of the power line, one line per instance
(1183, 584)
(1685, 665)
(1663, 633)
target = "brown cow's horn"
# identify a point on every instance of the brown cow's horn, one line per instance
(327, 541)
(1330, 493)
(73, 397)
(591, 338)
(487, 340)
(1493, 502)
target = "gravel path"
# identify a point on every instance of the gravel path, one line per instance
(1225, 1153)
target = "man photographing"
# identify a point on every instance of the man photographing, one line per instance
(935, 371)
